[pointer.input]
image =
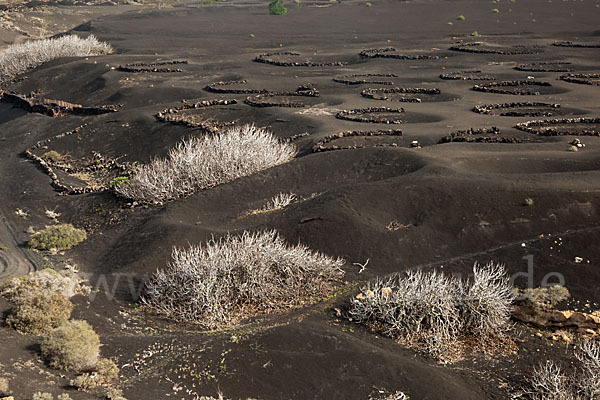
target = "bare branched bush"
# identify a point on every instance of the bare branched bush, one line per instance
(202, 162)
(434, 312)
(280, 200)
(398, 395)
(488, 300)
(19, 58)
(550, 382)
(239, 276)
(588, 381)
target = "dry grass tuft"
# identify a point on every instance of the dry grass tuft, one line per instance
(235, 277)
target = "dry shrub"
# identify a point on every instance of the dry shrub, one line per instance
(42, 396)
(18, 58)
(280, 200)
(398, 395)
(72, 347)
(105, 372)
(3, 385)
(39, 312)
(550, 382)
(113, 393)
(239, 276)
(57, 237)
(65, 282)
(435, 312)
(200, 163)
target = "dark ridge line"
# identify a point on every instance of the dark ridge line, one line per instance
(489, 108)
(354, 115)
(52, 108)
(320, 145)
(170, 115)
(461, 75)
(302, 91)
(347, 79)
(537, 126)
(264, 58)
(151, 67)
(496, 87)
(386, 52)
(544, 67)
(371, 93)
(578, 45)
(582, 79)
(475, 48)
(221, 87)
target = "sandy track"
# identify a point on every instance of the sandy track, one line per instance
(14, 259)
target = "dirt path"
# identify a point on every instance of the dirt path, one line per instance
(14, 260)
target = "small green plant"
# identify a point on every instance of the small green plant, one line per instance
(21, 213)
(495, 10)
(368, 4)
(72, 347)
(276, 7)
(57, 237)
(52, 156)
(461, 18)
(119, 180)
(39, 311)
(475, 33)
(450, 23)
(528, 201)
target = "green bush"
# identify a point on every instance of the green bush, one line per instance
(52, 156)
(39, 312)
(72, 347)
(119, 180)
(57, 237)
(276, 7)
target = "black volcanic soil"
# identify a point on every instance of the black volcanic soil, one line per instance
(456, 203)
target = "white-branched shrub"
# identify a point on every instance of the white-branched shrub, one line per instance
(589, 379)
(238, 276)
(550, 382)
(19, 58)
(201, 162)
(280, 200)
(434, 311)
